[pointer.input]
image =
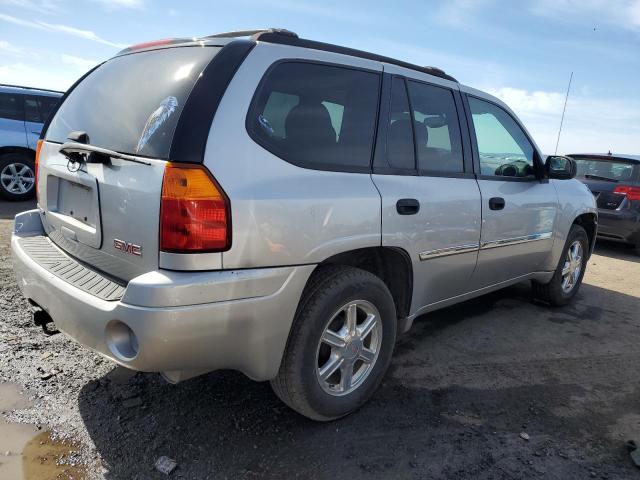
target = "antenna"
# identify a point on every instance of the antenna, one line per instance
(563, 110)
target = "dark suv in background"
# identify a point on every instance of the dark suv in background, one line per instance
(615, 182)
(23, 111)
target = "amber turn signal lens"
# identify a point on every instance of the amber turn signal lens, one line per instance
(37, 163)
(195, 213)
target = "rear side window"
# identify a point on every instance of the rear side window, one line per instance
(37, 109)
(437, 131)
(11, 106)
(132, 103)
(316, 116)
(400, 149)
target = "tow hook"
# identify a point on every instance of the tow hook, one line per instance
(43, 319)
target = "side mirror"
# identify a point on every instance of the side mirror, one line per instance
(560, 167)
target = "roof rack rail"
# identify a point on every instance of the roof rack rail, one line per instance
(254, 33)
(30, 88)
(285, 37)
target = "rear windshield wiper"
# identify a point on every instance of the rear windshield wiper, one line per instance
(598, 177)
(83, 152)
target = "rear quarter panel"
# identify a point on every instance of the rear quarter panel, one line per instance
(283, 214)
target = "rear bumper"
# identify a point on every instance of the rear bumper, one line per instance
(620, 225)
(182, 323)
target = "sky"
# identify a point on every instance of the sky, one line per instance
(521, 51)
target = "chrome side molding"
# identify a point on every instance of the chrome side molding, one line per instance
(444, 252)
(516, 240)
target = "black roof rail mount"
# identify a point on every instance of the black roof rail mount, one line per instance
(254, 34)
(285, 37)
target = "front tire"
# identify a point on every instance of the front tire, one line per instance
(568, 276)
(17, 176)
(340, 346)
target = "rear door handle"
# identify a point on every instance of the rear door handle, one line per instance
(496, 203)
(408, 206)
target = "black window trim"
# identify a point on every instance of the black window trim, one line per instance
(537, 161)
(190, 137)
(250, 126)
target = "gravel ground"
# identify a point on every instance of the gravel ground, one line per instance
(496, 388)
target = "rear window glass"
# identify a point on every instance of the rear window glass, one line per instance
(605, 169)
(317, 116)
(131, 104)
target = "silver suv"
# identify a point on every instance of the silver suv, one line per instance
(23, 111)
(286, 208)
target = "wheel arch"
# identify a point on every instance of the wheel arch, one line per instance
(392, 265)
(13, 149)
(588, 221)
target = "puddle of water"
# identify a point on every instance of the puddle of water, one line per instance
(27, 453)
(41, 457)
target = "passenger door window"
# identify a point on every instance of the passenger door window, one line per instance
(436, 127)
(317, 116)
(11, 107)
(32, 110)
(503, 147)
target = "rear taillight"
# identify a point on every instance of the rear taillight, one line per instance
(195, 213)
(632, 193)
(36, 165)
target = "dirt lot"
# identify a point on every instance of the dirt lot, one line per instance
(465, 387)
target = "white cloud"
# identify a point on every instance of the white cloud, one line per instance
(625, 13)
(40, 6)
(82, 63)
(8, 48)
(110, 4)
(75, 32)
(537, 102)
(459, 13)
(590, 125)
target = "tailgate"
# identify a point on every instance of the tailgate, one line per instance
(106, 215)
(104, 209)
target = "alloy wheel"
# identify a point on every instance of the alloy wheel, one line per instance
(349, 347)
(17, 178)
(572, 266)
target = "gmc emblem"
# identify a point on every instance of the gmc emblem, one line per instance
(126, 247)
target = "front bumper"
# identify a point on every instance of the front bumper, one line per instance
(183, 323)
(620, 225)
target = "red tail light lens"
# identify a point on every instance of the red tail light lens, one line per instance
(632, 193)
(195, 213)
(36, 164)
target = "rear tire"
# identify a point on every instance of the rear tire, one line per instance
(331, 365)
(17, 176)
(566, 280)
